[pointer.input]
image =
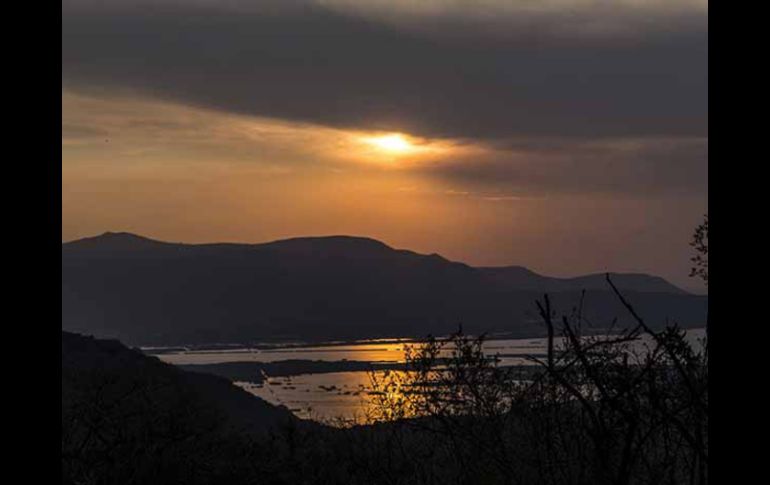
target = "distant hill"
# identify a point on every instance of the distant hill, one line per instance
(521, 278)
(151, 292)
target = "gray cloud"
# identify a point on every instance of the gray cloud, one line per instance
(308, 62)
(636, 167)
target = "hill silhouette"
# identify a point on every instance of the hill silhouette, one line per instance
(519, 277)
(130, 418)
(143, 291)
(123, 374)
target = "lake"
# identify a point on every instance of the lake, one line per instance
(340, 395)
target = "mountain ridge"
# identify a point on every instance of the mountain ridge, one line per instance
(304, 244)
(147, 292)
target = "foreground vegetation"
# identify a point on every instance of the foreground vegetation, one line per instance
(600, 410)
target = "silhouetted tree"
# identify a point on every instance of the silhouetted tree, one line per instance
(700, 241)
(626, 407)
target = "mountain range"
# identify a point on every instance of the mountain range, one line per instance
(148, 292)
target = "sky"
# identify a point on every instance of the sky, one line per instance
(568, 136)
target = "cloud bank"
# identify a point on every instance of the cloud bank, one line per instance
(490, 71)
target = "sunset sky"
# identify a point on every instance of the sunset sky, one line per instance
(568, 136)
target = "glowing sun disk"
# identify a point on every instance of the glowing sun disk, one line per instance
(393, 143)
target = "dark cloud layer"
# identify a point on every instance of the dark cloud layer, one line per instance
(304, 62)
(631, 167)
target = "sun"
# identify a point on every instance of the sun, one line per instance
(394, 143)
(398, 150)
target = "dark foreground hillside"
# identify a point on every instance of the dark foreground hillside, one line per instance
(147, 292)
(129, 419)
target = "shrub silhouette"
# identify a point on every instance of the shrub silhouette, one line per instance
(618, 408)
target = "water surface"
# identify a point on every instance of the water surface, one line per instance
(334, 395)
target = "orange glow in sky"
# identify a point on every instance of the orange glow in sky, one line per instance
(180, 173)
